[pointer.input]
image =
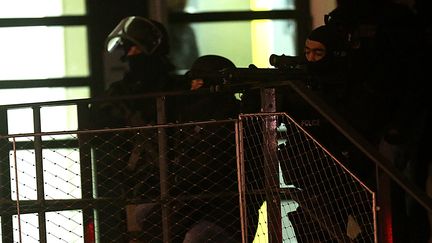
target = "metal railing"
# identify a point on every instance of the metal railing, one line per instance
(98, 199)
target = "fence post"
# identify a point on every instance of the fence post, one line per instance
(163, 169)
(5, 181)
(86, 172)
(271, 167)
(39, 172)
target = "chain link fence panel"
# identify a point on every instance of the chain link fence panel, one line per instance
(192, 182)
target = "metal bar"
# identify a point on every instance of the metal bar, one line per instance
(271, 167)
(39, 172)
(163, 170)
(5, 181)
(234, 16)
(361, 143)
(45, 21)
(17, 191)
(53, 82)
(85, 167)
(241, 180)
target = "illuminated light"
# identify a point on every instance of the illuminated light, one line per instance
(261, 35)
(262, 42)
(37, 50)
(388, 227)
(40, 8)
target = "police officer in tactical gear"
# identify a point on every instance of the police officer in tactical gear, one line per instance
(146, 47)
(122, 174)
(208, 150)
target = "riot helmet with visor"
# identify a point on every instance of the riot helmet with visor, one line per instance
(149, 36)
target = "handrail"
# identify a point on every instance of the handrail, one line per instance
(361, 143)
(299, 87)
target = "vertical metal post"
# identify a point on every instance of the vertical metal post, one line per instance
(158, 11)
(85, 167)
(39, 173)
(163, 169)
(271, 166)
(5, 181)
(241, 181)
(384, 212)
(85, 152)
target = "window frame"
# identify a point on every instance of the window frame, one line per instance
(66, 82)
(301, 15)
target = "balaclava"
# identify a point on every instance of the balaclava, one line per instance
(335, 49)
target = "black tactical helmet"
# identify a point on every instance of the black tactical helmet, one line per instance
(148, 35)
(210, 68)
(211, 63)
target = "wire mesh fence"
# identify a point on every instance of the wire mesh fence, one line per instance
(257, 179)
(313, 193)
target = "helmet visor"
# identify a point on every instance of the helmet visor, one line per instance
(137, 31)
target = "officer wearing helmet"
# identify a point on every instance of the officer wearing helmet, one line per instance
(147, 35)
(199, 150)
(146, 47)
(207, 73)
(207, 66)
(144, 43)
